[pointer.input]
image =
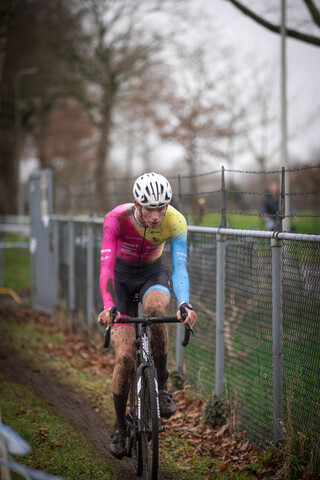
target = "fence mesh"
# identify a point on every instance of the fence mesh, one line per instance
(248, 333)
(301, 336)
(200, 354)
(80, 271)
(63, 261)
(97, 236)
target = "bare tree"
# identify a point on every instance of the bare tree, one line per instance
(193, 114)
(120, 42)
(64, 140)
(312, 9)
(27, 31)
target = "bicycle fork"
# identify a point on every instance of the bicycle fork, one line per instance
(145, 356)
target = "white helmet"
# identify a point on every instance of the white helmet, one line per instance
(152, 190)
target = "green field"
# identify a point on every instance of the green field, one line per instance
(15, 268)
(306, 222)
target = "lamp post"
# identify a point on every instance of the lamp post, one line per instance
(17, 117)
(284, 134)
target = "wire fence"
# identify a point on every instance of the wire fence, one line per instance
(248, 330)
(204, 197)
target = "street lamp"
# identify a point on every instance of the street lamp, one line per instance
(284, 134)
(17, 114)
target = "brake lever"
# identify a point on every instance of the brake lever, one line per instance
(113, 313)
(184, 315)
(189, 328)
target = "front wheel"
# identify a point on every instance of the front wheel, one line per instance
(150, 423)
(134, 447)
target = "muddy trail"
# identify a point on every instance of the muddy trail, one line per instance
(70, 405)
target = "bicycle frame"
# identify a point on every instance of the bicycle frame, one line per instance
(144, 360)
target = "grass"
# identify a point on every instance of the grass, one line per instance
(304, 222)
(37, 348)
(57, 447)
(302, 456)
(16, 267)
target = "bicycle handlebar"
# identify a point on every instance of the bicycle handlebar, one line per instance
(148, 321)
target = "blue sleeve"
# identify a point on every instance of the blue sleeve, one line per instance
(180, 278)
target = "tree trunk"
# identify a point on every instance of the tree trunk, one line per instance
(9, 175)
(191, 161)
(103, 192)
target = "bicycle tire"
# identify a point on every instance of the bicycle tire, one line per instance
(150, 424)
(134, 447)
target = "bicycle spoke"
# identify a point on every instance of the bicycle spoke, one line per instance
(133, 438)
(150, 423)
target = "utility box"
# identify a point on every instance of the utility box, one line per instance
(44, 279)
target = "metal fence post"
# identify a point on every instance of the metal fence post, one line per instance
(277, 338)
(220, 293)
(91, 198)
(90, 281)
(179, 193)
(44, 290)
(115, 192)
(56, 253)
(179, 329)
(276, 252)
(71, 251)
(220, 300)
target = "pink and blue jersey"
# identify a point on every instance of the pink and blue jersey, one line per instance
(137, 246)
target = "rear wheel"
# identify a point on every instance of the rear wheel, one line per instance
(150, 424)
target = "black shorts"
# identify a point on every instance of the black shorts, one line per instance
(129, 280)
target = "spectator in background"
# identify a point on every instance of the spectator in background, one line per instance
(270, 205)
(201, 210)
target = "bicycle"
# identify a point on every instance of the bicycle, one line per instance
(143, 421)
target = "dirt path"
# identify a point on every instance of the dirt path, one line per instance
(69, 404)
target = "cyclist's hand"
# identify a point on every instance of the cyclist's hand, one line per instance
(105, 319)
(192, 317)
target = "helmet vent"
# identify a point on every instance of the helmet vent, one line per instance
(152, 190)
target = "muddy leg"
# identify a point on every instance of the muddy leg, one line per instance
(155, 304)
(123, 344)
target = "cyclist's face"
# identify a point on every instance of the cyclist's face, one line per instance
(152, 217)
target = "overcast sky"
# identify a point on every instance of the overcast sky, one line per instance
(303, 67)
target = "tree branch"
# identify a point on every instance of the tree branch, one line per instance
(315, 13)
(276, 28)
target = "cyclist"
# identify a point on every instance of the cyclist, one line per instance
(134, 235)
